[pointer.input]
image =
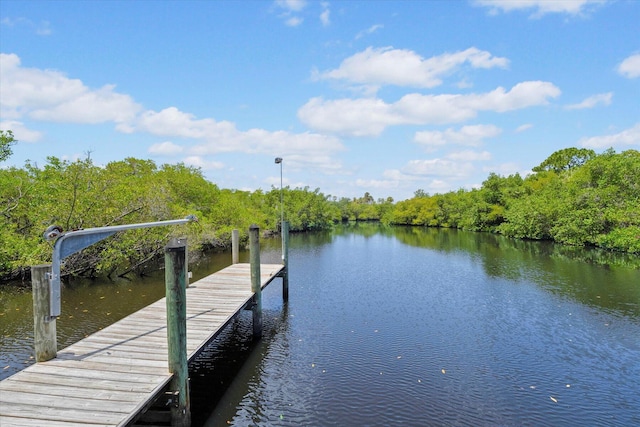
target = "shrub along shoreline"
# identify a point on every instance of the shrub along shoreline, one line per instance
(575, 197)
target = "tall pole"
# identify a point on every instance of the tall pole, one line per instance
(175, 259)
(285, 261)
(45, 339)
(235, 246)
(279, 161)
(256, 282)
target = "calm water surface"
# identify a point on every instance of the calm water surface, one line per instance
(405, 326)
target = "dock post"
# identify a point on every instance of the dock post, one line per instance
(285, 260)
(235, 246)
(256, 286)
(44, 326)
(175, 258)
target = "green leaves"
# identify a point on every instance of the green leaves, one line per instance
(6, 141)
(566, 159)
(576, 198)
(80, 194)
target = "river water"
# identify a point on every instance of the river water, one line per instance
(401, 326)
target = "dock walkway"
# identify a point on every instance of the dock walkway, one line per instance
(112, 376)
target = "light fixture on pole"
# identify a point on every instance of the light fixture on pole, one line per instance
(279, 162)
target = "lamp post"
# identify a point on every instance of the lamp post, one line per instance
(278, 161)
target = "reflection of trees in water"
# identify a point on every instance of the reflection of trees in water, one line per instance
(310, 239)
(592, 276)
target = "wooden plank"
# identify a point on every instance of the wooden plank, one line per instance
(44, 414)
(30, 422)
(107, 378)
(84, 374)
(107, 367)
(125, 360)
(64, 391)
(46, 379)
(124, 350)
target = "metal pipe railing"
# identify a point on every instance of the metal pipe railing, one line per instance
(68, 243)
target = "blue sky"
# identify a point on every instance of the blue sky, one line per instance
(384, 97)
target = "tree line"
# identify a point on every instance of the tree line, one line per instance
(574, 197)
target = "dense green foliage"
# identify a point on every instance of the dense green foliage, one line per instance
(362, 209)
(574, 197)
(80, 194)
(6, 141)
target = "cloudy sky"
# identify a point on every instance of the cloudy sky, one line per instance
(384, 97)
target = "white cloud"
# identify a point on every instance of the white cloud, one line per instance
(472, 135)
(292, 5)
(51, 96)
(376, 184)
(469, 156)
(357, 117)
(20, 131)
(317, 160)
(396, 175)
(464, 84)
(523, 127)
(434, 175)
(372, 29)
(438, 168)
(41, 29)
(541, 7)
(395, 179)
(172, 122)
(44, 29)
(325, 16)
(92, 106)
(294, 21)
(592, 101)
(166, 148)
(370, 116)
(625, 138)
(302, 150)
(505, 169)
(630, 67)
(202, 163)
(401, 67)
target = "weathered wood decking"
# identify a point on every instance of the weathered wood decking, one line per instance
(110, 377)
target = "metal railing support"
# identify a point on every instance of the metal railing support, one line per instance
(74, 241)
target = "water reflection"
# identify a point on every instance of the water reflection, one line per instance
(441, 327)
(437, 327)
(611, 283)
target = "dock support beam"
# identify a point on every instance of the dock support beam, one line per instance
(45, 339)
(285, 260)
(235, 246)
(175, 259)
(256, 287)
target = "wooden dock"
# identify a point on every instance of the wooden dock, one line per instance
(114, 375)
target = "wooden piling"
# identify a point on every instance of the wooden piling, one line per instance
(175, 259)
(235, 246)
(45, 339)
(285, 261)
(256, 288)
